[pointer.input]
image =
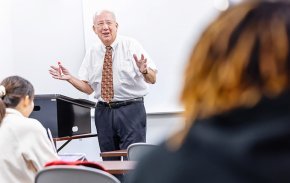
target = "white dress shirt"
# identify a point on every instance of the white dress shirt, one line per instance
(127, 80)
(24, 148)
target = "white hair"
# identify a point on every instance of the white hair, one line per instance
(104, 11)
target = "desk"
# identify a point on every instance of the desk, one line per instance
(69, 138)
(117, 153)
(118, 167)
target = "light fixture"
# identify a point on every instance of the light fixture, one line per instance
(221, 5)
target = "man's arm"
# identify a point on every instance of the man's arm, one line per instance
(82, 86)
(64, 74)
(148, 73)
(149, 76)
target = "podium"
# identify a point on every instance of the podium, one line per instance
(64, 116)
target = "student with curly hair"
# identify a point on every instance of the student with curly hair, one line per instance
(237, 103)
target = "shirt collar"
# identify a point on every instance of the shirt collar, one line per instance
(113, 45)
(13, 111)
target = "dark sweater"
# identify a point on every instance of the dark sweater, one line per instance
(240, 146)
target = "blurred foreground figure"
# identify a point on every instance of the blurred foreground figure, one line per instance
(237, 103)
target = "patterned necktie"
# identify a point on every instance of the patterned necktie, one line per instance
(107, 91)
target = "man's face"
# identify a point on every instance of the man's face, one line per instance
(105, 26)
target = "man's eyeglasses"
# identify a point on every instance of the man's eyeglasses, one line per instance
(101, 24)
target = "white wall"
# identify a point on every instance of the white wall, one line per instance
(39, 33)
(44, 32)
(6, 59)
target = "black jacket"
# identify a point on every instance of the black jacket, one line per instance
(240, 146)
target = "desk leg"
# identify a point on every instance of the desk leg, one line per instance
(63, 145)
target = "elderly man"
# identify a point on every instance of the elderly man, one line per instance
(118, 70)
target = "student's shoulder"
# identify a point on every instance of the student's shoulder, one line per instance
(22, 125)
(31, 124)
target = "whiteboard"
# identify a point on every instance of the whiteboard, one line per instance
(166, 29)
(36, 34)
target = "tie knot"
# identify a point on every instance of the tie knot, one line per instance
(108, 48)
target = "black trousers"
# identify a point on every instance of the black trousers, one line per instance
(118, 126)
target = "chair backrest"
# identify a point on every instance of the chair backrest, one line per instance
(73, 174)
(136, 151)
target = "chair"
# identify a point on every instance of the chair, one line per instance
(136, 151)
(73, 174)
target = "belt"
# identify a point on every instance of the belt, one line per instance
(118, 104)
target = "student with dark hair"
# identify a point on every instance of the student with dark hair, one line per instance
(237, 103)
(24, 144)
